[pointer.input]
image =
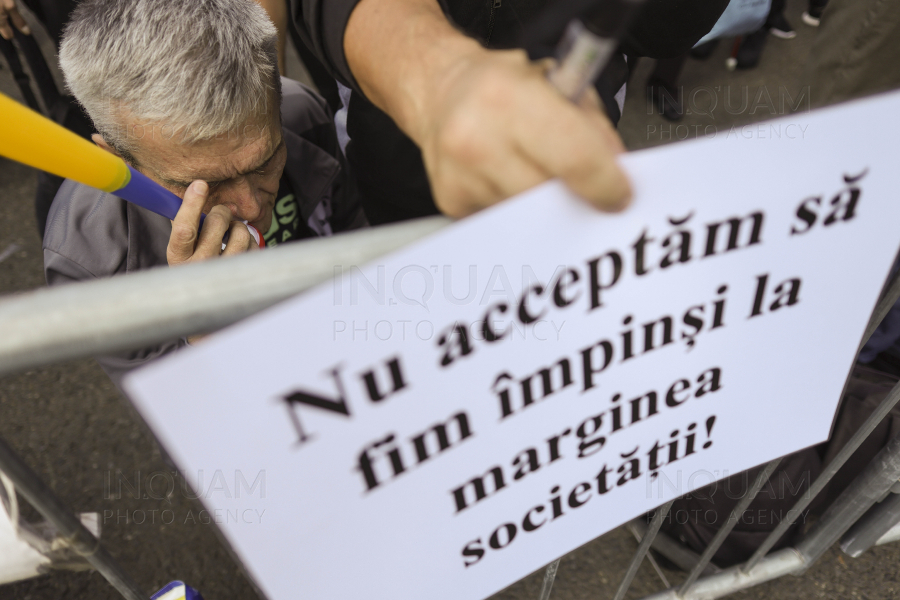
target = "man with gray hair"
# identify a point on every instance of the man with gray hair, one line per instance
(188, 93)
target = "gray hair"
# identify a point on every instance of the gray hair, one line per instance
(199, 67)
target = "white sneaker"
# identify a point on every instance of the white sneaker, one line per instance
(781, 28)
(810, 20)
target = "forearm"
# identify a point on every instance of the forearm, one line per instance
(488, 123)
(403, 53)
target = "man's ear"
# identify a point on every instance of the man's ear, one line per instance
(98, 139)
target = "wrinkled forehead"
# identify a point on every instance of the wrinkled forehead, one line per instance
(246, 147)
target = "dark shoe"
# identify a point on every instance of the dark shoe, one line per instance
(664, 99)
(779, 27)
(703, 51)
(812, 16)
(751, 49)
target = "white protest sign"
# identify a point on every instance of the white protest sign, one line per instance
(450, 419)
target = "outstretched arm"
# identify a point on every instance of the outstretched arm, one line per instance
(488, 123)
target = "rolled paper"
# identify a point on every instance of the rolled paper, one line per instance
(177, 590)
(30, 138)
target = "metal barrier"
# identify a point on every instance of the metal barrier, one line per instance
(86, 319)
(879, 525)
(122, 313)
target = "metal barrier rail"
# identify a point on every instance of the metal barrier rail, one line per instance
(880, 525)
(76, 536)
(873, 484)
(45, 326)
(881, 474)
(52, 325)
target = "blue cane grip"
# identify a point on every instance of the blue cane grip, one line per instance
(145, 192)
(177, 590)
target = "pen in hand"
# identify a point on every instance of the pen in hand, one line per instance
(588, 44)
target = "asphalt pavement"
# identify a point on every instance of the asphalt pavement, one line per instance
(73, 427)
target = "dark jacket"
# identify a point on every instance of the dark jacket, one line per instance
(92, 234)
(387, 164)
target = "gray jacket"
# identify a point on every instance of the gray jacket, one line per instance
(92, 234)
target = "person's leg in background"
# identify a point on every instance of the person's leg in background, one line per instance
(751, 48)
(663, 90)
(776, 22)
(814, 14)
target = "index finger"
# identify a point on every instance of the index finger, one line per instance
(186, 224)
(579, 145)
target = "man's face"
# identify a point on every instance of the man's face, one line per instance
(242, 168)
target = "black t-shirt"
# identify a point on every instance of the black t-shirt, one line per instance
(287, 222)
(388, 166)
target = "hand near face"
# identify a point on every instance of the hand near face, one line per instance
(188, 243)
(498, 128)
(488, 122)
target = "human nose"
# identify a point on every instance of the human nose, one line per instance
(240, 198)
